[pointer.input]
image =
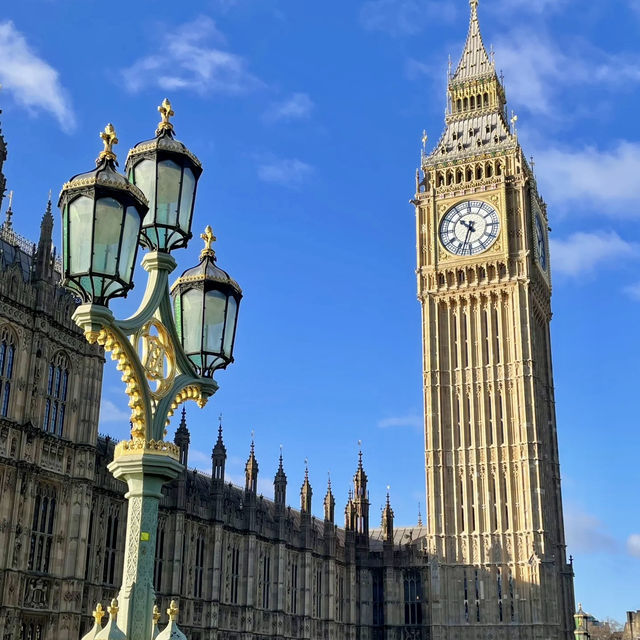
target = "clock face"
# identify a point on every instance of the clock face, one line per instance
(469, 228)
(541, 247)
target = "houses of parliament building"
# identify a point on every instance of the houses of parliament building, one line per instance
(489, 563)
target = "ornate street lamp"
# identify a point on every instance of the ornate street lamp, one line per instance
(161, 365)
(167, 172)
(205, 302)
(101, 217)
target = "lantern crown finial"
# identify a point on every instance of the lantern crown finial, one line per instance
(166, 112)
(109, 138)
(173, 611)
(209, 239)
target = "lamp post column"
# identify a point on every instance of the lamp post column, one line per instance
(144, 472)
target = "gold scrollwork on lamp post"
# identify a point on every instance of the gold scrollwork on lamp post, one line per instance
(170, 348)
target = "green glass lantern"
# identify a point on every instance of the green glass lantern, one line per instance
(102, 214)
(205, 303)
(167, 172)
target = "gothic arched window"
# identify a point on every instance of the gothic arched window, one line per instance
(412, 598)
(56, 401)
(7, 354)
(44, 512)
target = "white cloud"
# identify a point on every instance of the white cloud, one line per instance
(191, 58)
(633, 545)
(289, 172)
(582, 251)
(110, 412)
(533, 6)
(34, 83)
(297, 107)
(608, 179)
(536, 67)
(633, 291)
(409, 420)
(404, 17)
(586, 534)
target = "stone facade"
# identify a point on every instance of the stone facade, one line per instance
(484, 283)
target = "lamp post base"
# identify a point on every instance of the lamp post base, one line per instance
(145, 470)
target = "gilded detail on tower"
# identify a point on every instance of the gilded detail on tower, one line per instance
(492, 468)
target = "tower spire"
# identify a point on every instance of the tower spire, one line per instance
(475, 60)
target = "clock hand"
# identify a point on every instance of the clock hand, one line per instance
(466, 239)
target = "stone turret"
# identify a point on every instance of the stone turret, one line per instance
(305, 495)
(182, 438)
(251, 472)
(280, 484)
(582, 624)
(361, 505)
(218, 459)
(387, 522)
(329, 504)
(44, 261)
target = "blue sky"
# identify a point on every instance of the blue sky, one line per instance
(307, 118)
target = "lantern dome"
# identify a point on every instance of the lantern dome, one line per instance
(206, 300)
(101, 217)
(168, 173)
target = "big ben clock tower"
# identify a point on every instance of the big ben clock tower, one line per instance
(495, 520)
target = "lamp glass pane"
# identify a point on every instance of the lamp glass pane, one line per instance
(129, 242)
(80, 221)
(230, 328)
(144, 177)
(168, 192)
(186, 202)
(192, 321)
(106, 238)
(215, 303)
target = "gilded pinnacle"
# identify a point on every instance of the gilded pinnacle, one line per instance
(209, 239)
(165, 113)
(173, 611)
(109, 138)
(98, 614)
(156, 614)
(113, 608)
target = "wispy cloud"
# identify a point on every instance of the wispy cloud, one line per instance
(608, 179)
(404, 17)
(410, 420)
(581, 252)
(192, 58)
(288, 172)
(587, 534)
(297, 107)
(536, 67)
(633, 291)
(633, 545)
(32, 82)
(531, 6)
(110, 412)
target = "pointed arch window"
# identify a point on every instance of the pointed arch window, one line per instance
(111, 546)
(44, 513)
(199, 568)
(7, 356)
(55, 405)
(412, 598)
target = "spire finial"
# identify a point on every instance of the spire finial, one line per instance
(209, 239)
(9, 211)
(474, 8)
(109, 138)
(220, 427)
(98, 614)
(419, 515)
(173, 611)
(113, 609)
(329, 482)
(165, 113)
